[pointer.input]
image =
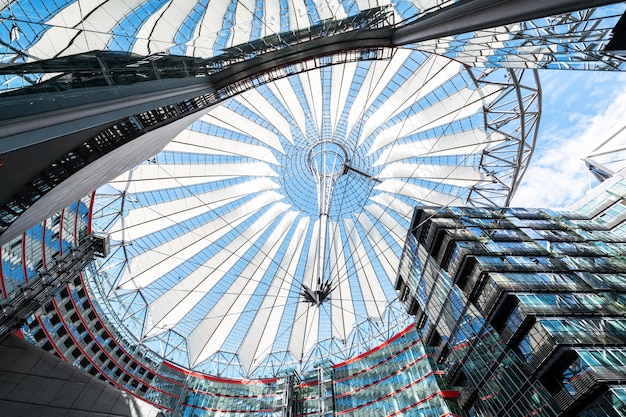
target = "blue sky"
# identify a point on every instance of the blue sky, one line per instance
(581, 109)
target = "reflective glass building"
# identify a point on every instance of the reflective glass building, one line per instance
(256, 165)
(524, 306)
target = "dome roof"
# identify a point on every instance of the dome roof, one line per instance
(267, 236)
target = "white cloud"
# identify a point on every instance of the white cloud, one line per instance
(557, 175)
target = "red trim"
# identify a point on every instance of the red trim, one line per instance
(19, 334)
(430, 397)
(453, 394)
(61, 232)
(401, 411)
(213, 394)
(43, 244)
(397, 372)
(50, 339)
(460, 346)
(95, 311)
(219, 379)
(377, 348)
(24, 258)
(308, 384)
(221, 410)
(106, 352)
(391, 394)
(90, 217)
(4, 290)
(364, 370)
(104, 374)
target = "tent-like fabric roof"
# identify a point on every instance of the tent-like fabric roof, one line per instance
(223, 258)
(223, 229)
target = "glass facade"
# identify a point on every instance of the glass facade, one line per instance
(395, 379)
(25, 257)
(513, 299)
(399, 376)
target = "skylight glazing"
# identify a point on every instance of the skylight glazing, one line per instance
(44, 29)
(225, 261)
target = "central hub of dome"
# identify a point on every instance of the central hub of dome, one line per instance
(327, 159)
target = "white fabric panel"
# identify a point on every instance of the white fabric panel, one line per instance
(140, 185)
(54, 41)
(65, 26)
(212, 22)
(262, 332)
(329, 9)
(201, 42)
(369, 4)
(464, 103)
(284, 92)
(244, 14)
(158, 32)
(341, 78)
(208, 336)
(271, 20)
(173, 253)
(304, 332)
(298, 15)
(107, 16)
(72, 15)
(429, 75)
(167, 310)
(373, 294)
(448, 174)
(419, 193)
(61, 41)
(206, 173)
(468, 143)
(144, 43)
(312, 88)
(396, 230)
(374, 82)
(255, 101)
(306, 318)
(386, 255)
(202, 143)
(389, 201)
(142, 221)
(222, 116)
(342, 309)
(87, 41)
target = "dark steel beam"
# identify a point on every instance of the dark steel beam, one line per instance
(324, 46)
(468, 16)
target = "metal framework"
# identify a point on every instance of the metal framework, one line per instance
(431, 130)
(574, 40)
(514, 115)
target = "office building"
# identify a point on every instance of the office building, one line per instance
(525, 306)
